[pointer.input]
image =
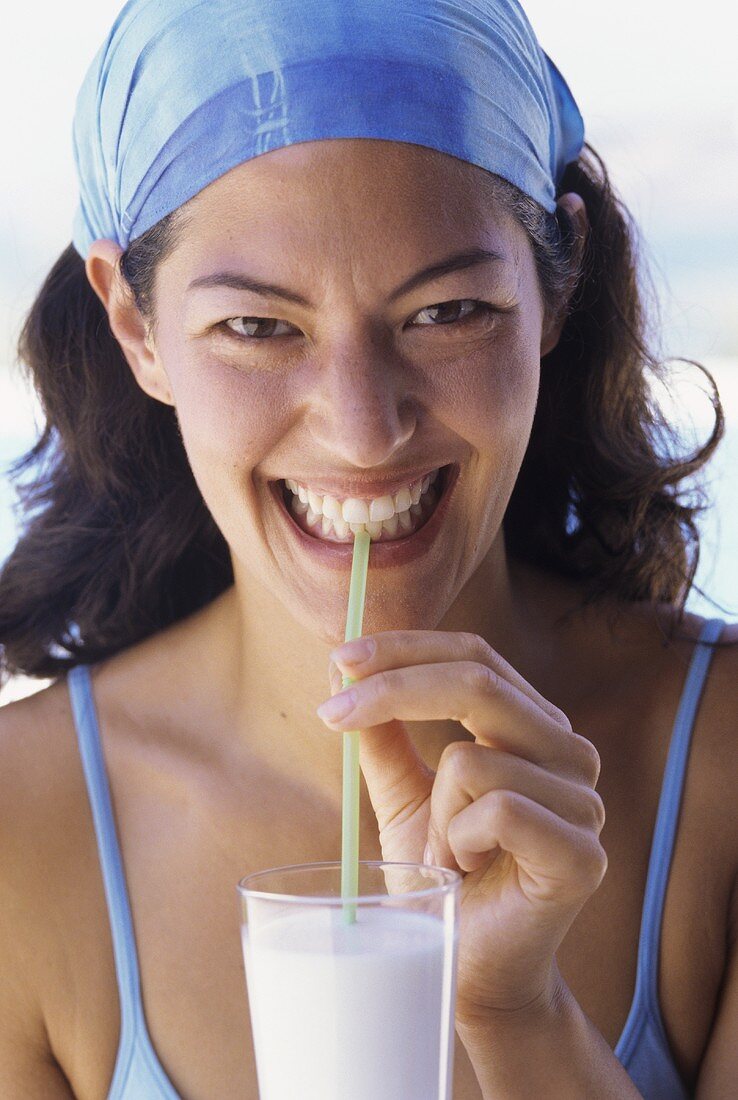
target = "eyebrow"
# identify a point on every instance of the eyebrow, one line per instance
(459, 261)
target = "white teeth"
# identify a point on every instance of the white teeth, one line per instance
(391, 515)
(355, 511)
(403, 500)
(395, 526)
(332, 508)
(382, 508)
(405, 519)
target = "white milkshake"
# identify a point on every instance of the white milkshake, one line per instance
(358, 1011)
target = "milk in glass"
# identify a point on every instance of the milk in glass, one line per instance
(358, 1011)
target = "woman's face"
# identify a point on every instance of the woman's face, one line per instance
(359, 378)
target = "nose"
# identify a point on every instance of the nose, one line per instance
(363, 411)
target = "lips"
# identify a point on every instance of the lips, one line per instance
(383, 554)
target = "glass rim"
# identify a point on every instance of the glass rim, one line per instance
(450, 880)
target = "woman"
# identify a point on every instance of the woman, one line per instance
(356, 255)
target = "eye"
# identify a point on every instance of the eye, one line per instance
(459, 311)
(248, 327)
(452, 313)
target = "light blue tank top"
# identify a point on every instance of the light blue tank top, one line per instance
(643, 1048)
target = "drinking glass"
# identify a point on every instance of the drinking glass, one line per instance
(352, 997)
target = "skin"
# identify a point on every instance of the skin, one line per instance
(469, 704)
(331, 409)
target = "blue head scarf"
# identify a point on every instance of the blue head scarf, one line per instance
(181, 91)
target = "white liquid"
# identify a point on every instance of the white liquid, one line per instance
(351, 1012)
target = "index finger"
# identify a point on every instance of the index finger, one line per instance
(395, 649)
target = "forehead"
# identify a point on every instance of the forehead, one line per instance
(348, 187)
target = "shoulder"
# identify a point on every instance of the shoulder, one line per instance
(44, 812)
(717, 725)
(718, 713)
(645, 664)
(40, 788)
(39, 804)
(717, 777)
(34, 754)
(715, 732)
(710, 817)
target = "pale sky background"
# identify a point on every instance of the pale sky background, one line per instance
(657, 84)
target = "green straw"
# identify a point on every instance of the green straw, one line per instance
(351, 773)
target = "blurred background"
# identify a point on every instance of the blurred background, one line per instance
(658, 88)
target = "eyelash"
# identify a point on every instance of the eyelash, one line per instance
(482, 310)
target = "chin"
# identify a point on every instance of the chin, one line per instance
(381, 613)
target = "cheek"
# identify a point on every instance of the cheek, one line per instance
(229, 420)
(490, 395)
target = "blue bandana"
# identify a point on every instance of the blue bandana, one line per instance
(181, 91)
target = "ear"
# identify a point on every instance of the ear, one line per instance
(574, 206)
(127, 323)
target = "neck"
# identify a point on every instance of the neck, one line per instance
(268, 672)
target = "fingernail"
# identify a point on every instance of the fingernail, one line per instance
(354, 652)
(428, 857)
(333, 710)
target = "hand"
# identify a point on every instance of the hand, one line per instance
(515, 811)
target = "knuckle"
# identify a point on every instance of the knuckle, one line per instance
(592, 866)
(599, 863)
(561, 719)
(382, 684)
(502, 804)
(479, 678)
(588, 759)
(596, 811)
(473, 647)
(457, 760)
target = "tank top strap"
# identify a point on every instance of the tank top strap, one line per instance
(667, 820)
(119, 910)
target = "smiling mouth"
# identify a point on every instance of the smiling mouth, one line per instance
(405, 521)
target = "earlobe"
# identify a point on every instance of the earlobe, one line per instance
(573, 205)
(551, 337)
(127, 323)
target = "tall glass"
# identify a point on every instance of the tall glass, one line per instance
(352, 999)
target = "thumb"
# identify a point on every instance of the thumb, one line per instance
(397, 778)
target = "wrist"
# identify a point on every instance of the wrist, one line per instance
(538, 1007)
(544, 1047)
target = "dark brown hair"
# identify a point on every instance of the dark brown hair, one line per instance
(118, 543)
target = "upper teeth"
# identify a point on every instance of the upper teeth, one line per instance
(354, 510)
